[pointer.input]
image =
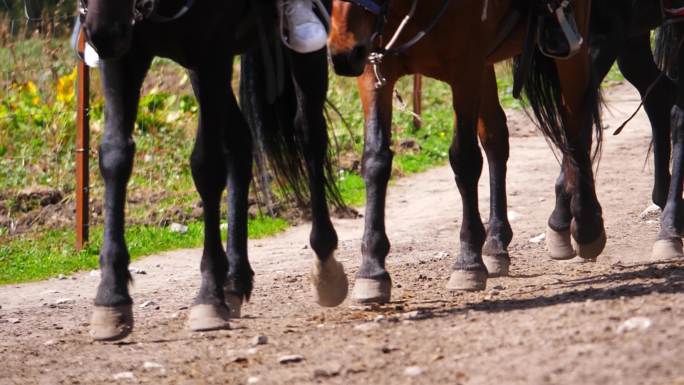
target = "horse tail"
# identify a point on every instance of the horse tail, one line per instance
(271, 114)
(542, 92)
(667, 44)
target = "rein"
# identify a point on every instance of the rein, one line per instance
(381, 13)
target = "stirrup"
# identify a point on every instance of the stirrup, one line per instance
(559, 37)
(321, 9)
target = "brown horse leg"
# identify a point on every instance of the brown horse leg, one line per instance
(588, 234)
(558, 241)
(493, 133)
(469, 271)
(373, 283)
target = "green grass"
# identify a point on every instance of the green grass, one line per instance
(52, 253)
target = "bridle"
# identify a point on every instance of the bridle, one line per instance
(143, 10)
(380, 9)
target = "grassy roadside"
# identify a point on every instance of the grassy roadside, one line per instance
(161, 187)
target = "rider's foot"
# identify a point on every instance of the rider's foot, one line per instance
(305, 32)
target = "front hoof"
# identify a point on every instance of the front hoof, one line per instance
(367, 290)
(559, 244)
(467, 280)
(111, 323)
(329, 283)
(208, 317)
(667, 249)
(497, 265)
(234, 303)
(590, 251)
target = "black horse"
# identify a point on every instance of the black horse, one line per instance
(621, 30)
(204, 37)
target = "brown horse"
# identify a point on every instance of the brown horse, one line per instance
(459, 51)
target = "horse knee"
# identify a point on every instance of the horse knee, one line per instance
(116, 159)
(466, 163)
(377, 165)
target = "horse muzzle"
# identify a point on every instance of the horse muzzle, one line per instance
(350, 63)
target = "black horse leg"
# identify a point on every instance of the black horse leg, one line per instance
(636, 63)
(239, 162)
(121, 80)
(493, 133)
(558, 242)
(310, 75)
(373, 282)
(469, 272)
(208, 162)
(669, 243)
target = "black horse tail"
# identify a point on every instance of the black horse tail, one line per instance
(542, 92)
(668, 42)
(270, 105)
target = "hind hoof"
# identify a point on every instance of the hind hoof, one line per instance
(559, 244)
(234, 303)
(329, 283)
(368, 290)
(497, 265)
(590, 251)
(667, 249)
(111, 323)
(208, 317)
(467, 280)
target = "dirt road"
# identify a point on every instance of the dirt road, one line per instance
(617, 321)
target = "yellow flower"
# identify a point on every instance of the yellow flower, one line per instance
(66, 88)
(31, 88)
(36, 100)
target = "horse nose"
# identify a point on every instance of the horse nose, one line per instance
(350, 63)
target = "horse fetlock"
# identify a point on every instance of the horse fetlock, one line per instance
(329, 284)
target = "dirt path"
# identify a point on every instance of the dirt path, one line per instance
(549, 323)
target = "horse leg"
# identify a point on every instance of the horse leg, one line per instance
(112, 316)
(469, 271)
(558, 242)
(310, 75)
(636, 63)
(209, 171)
(493, 133)
(580, 105)
(373, 282)
(669, 243)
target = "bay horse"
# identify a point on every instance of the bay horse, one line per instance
(204, 37)
(562, 93)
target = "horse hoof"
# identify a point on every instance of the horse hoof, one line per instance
(208, 317)
(467, 280)
(329, 283)
(497, 265)
(559, 244)
(590, 251)
(667, 249)
(368, 290)
(111, 323)
(234, 303)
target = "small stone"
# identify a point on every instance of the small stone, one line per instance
(13, 320)
(417, 315)
(124, 376)
(239, 359)
(259, 340)
(133, 270)
(379, 318)
(178, 228)
(366, 327)
(538, 239)
(442, 255)
(252, 380)
(327, 372)
(635, 324)
(290, 359)
(94, 274)
(61, 277)
(252, 351)
(146, 304)
(498, 287)
(50, 342)
(651, 212)
(63, 301)
(413, 371)
(174, 315)
(148, 365)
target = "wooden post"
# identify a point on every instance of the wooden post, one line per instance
(417, 100)
(82, 149)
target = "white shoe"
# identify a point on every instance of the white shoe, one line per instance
(305, 32)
